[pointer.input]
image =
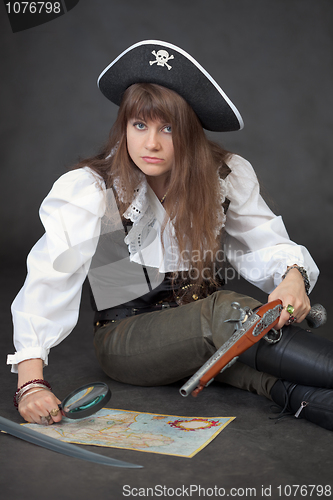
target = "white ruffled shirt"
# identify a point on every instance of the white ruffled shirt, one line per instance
(46, 309)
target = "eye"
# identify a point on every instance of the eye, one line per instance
(168, 129)
(139, 125)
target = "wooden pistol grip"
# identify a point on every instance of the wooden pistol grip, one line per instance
(246, 341)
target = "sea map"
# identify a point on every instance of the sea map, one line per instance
(155, 433)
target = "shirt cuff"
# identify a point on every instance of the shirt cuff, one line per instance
(28, 353)
(311, 271)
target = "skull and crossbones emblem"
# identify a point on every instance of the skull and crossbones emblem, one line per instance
(162, 58)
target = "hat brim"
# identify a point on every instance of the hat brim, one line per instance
(178, 71)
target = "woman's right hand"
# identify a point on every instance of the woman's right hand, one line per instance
(39, 407)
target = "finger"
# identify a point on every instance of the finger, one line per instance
(51, 405)
(28, 413)
(46, 420)
(284, 318)
(34, 419)
(41, 408)
(279, 324)
(55, 414)
(301, 317)
(43, 419)
(300, 312)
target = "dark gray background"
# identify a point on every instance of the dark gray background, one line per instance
(272, 57)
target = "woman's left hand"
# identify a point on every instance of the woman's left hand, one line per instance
(291, 291)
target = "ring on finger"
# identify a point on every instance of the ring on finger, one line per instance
(45, 420)
(290, 309)
(54, 412)
(291, 320)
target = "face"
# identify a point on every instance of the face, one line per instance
(150, 146)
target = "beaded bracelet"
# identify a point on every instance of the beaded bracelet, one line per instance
(33, 383)
(38, 380)
(304, 276)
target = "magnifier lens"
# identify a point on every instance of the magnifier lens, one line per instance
(86, 400)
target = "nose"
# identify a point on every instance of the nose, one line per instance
(152, 142)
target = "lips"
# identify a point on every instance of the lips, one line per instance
(151, 159)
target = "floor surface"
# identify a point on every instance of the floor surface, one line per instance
(253, 457)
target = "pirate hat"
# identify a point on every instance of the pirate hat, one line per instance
(153, 61)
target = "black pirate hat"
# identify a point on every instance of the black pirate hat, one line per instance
(153, 61)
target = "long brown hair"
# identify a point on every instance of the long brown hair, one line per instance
(193, 202)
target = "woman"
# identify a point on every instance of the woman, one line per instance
(155, 269)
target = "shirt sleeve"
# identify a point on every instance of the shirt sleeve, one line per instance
(46, 309)
(257, 243)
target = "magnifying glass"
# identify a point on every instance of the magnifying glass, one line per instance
(85, 400)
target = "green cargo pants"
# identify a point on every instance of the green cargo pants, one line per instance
(161, 347)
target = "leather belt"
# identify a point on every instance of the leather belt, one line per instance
(118, 313)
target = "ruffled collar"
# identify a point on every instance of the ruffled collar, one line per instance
(146, 202)
(148, 216)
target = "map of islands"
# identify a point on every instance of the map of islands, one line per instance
(155, 433)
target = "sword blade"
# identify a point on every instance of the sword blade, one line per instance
(59, 446)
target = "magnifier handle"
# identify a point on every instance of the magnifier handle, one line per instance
(60, 408)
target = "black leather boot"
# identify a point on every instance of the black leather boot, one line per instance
(300, 357)
(311, 403)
